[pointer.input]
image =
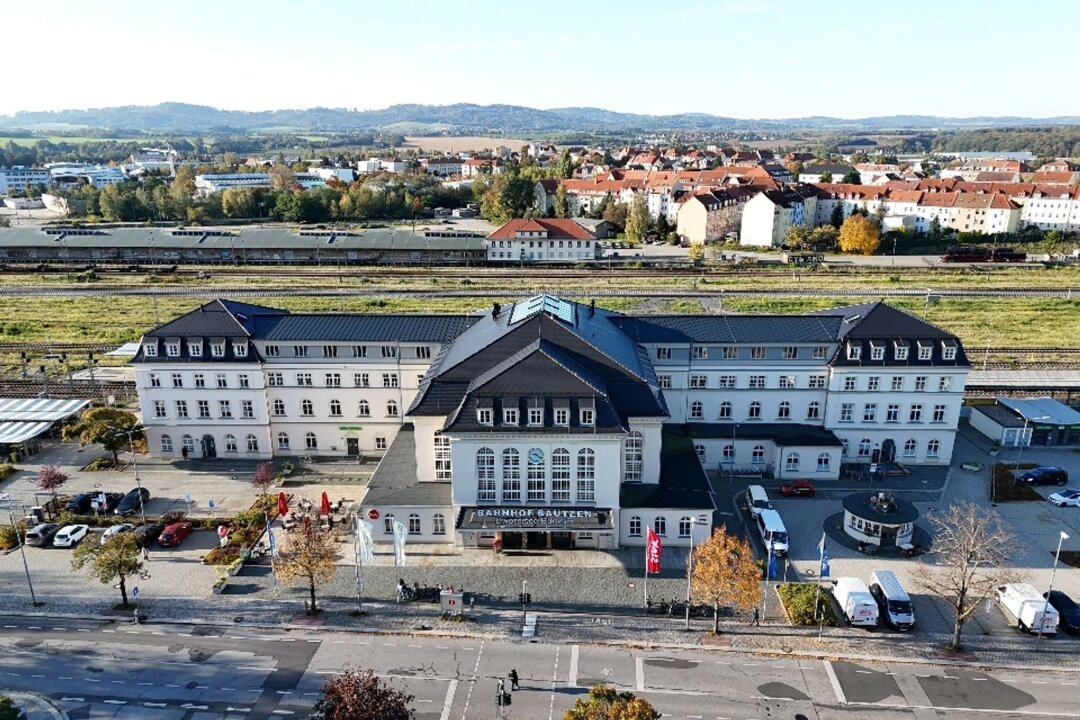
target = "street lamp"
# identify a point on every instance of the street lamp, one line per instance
(6, 497)
(130, 432)
(1046, 604)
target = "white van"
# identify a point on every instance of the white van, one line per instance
(894, 604)
(773, 532)
(758, 500)
(855, 601)
(1028, 608)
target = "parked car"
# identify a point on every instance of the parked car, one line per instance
(798, 488)
(1049, 475)
(70, 535)
(145, 535)
(116, 530)
(80, 504)
(175, 534)
(42, 534)
(1068, 611)
(133, 501)
(1065, 498)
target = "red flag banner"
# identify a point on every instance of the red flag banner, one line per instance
(654, 551)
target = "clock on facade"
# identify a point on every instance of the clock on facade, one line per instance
(536, 456)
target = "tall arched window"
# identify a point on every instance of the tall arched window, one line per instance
(791, 463)
(758, 456)
(306, 408)
(230, 443)
(252, 443)
(586, 475)
(335, 408)
(511, 474)
(697, 410)
(560, 475)
(813, 411)
(282, 441)
(783, 411)
(755, 410)
(442, 457)
(391, 408)
(166, 444)
(485, 474)
(635, 526)
(633, 457)
(910, 447)
(310, 441)
(279, 407)
(364, 409)
(536, 476)
(725, 410)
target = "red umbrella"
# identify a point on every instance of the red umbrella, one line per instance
(282, 504)
(325, 504)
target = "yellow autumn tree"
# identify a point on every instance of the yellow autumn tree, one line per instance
(726, 574)
(860, 235)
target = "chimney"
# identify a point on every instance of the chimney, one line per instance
(495, 310)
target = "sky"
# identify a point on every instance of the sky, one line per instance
(738, 58)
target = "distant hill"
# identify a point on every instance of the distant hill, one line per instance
(477, 119)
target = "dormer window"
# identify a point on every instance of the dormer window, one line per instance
(194, 348)
(877, 351)
(239, 349)
(172, 349)
(901, 350)
(483, 416)
(926, 351)
(150, 349)
(217, 348)
(948, 351)
(854, 352)
(510, 416)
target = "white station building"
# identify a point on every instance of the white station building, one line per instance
(550, 423)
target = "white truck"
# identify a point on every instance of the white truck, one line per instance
(856, 602)
(1028, 608)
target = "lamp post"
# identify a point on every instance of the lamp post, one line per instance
(1046, 604)
(6, 497)
(130, 432)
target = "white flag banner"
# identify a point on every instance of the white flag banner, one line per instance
(400, 534)
(365, 541)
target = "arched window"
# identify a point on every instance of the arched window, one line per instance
(635, 526)
(279, 407)
(230, 443)
(485, 474)
(306, 408)
(864, 447)
(910, 447)
(824, 462)
(282, 441)
(388, 523)
(391, 408)
(755, 410)
(311, 442)
(560, 475)
(364, 409)
(660, 525)
(586, 475)
(729, 453)
(700, 451)
(784, 410)
(697, 410)
(684, 527)
(166, 444)
(633, 458)
(438, 524)
(725, 410)
(933, 448)
(188, 443)
(791, 463)
(335, 408)
(511, 474)
(442, 457)
(813, 411)
(536, 476)
(414, 524)
(758, 456)
(252, 443)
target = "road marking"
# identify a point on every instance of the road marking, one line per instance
(639, 663)
(115, 702)
(835, 682)
(72, 699)
(572, 679)
(449, 701)
(472, 681)
(156, 704)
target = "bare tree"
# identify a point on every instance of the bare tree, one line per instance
(971, 553)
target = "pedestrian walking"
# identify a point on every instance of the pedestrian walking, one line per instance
(756, 618)
(513, 679)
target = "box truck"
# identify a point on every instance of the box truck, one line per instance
(855, 601)
(1028, 608)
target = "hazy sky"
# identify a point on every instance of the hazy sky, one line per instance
(741, 58)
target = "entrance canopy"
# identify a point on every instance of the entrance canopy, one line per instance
(541, 519)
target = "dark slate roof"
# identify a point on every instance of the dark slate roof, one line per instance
(884, 324)
(395, 483)
(859, 504)
(730, 329)
(361, 328)
(683, 482)
(220, 318)
(786, 434)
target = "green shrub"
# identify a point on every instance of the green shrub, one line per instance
(7, 471)
(799, 600)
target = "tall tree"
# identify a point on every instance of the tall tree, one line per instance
(307, 555)
(50, 479)
(361, 695)
(117, 560)
(726, 574)
(860, 235)
(971, 552)
(607, 703)
(637, 221)
(103, 425)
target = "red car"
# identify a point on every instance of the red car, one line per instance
(174, 534)
(798, 488)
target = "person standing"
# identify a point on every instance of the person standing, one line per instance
(513, 679)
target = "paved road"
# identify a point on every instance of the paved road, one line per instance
(167, 672)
